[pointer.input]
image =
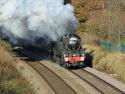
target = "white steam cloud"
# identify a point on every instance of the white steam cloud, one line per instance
(29, 20)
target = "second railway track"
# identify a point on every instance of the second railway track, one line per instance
(96, 82)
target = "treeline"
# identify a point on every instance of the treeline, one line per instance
(104, 18)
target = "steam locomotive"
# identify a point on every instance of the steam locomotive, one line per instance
(68, 52)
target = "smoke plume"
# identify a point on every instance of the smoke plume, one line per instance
(29, 21)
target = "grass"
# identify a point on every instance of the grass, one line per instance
(93, 21)
(11, 81)
(111, 63)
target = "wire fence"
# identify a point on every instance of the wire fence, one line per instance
(112, 47)
(116, 28)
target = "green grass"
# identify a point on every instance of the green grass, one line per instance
(12, 87)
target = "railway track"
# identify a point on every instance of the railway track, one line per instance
(96, 82)
(52, 75)
(56, 83)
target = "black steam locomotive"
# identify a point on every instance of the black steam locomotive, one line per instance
(68, 51)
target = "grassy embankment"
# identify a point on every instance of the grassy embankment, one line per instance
(93, 26)
(11, 81)
(112, 63)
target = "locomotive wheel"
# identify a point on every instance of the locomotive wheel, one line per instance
(68, 65)
(81, 64)
(65, 65)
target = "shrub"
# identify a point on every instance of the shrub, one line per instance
(112, 63)
(89, 39)
(11, 81)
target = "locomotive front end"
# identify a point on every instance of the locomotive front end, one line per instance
(74, 55)
(74, 60)
(68, 51)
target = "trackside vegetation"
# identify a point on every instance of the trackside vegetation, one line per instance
(11, 81)
(100, 21)
(111, 63)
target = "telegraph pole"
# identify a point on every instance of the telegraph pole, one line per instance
(109, 23)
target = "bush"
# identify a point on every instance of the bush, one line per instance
(91, 39)
(112, 63)
(10, 80)
(12, 87)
